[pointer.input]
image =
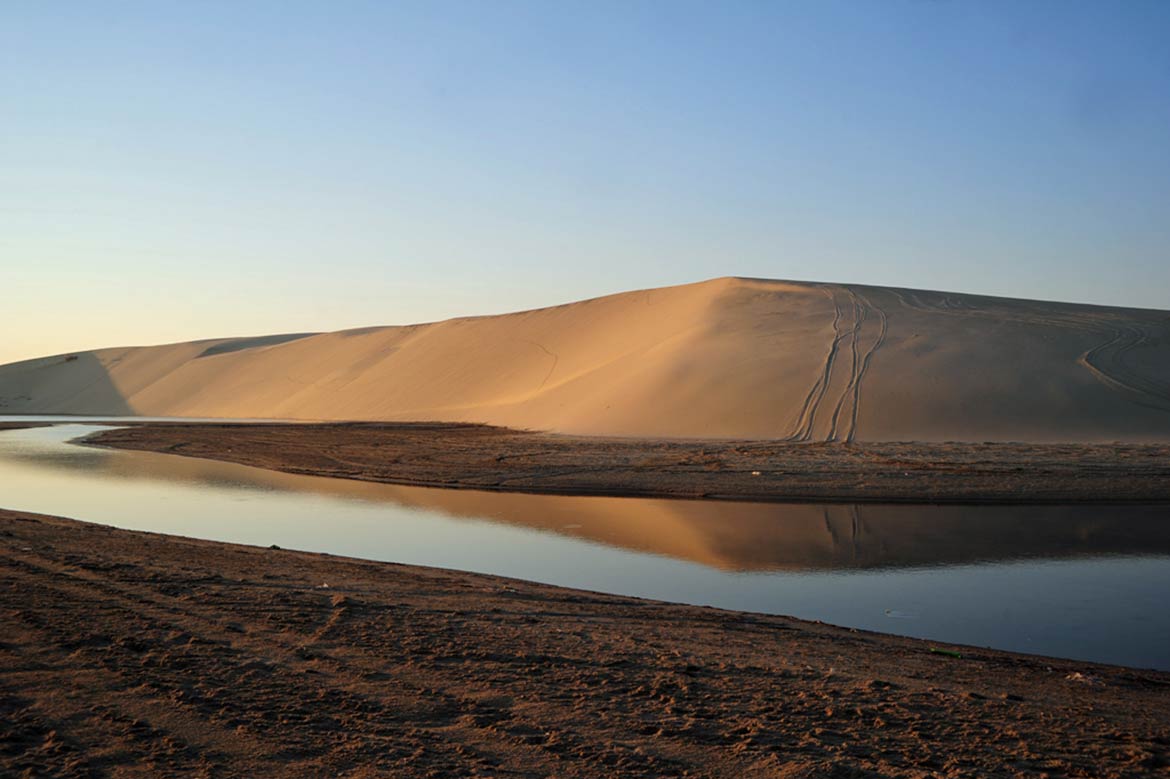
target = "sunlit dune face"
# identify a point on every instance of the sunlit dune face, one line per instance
(724, 358)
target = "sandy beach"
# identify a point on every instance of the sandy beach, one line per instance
(135, 654)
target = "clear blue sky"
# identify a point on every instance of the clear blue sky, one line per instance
(174, 170)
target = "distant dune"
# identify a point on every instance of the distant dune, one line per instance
(723, 358)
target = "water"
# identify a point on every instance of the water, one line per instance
(1085, 582)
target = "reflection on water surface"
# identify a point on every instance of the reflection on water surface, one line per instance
(1077, 581)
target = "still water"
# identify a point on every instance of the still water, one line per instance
(1085, 582)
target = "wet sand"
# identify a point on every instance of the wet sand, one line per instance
(492, 458)
(136, 654)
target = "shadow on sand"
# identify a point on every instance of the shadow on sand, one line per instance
(62, 384)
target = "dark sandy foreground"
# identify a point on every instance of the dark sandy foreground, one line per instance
(481, 457)
(138, 655)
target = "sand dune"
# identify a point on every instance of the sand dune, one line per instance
(723, 358)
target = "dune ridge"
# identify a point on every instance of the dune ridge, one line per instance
(726, 358)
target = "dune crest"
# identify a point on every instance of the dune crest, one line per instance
(723, 358)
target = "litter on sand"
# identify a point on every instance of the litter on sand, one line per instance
(934, 650)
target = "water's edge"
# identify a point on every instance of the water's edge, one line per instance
(1073, 581)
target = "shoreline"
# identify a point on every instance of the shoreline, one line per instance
(479, 457)
(125, 648)
(23, 425)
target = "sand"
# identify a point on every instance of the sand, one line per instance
(134, 654)
(484, 458)
(724, 358)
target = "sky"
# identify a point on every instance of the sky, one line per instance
(173, 170)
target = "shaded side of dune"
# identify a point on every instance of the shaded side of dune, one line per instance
(66, 384)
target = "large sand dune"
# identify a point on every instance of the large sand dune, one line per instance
(723, 358)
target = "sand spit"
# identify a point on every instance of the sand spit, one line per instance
(732, 358)
(487, 458)
(128, 653)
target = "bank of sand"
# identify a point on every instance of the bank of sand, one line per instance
(132, 654)
(487, 458)
(727, 358)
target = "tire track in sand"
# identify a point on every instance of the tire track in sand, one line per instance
(884, 329)
(816, 394)
(851, 396)
(848, 402)
(859, 316)
(1151, 392)
(1105, 361)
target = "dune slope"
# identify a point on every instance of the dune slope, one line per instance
(723, 358)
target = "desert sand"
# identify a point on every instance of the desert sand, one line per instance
(724, 358)
(135, 654)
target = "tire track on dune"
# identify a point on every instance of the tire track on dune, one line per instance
(1153, 394)
(884, 329)
(1105, 362)
(551, 368)
(862, 310)
(851, 396)
(860, 313)
(816, 394)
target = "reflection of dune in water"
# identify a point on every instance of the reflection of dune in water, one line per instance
(727, 535)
